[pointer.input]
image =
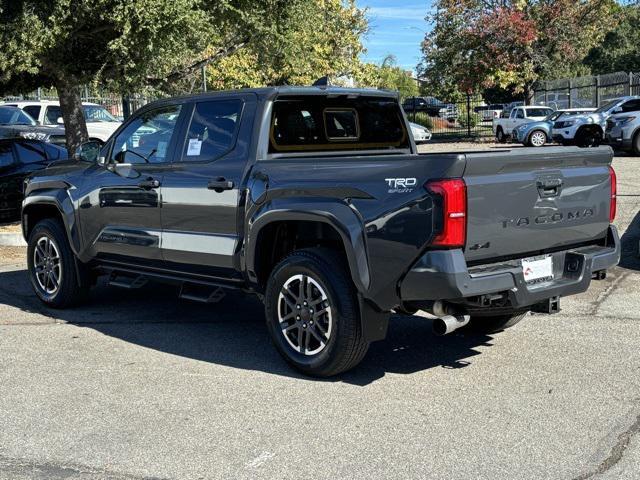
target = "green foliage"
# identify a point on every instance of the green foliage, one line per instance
(619, 50)
(320, 37)
(127, 45)
(468, 119)
(423, 119)
(387, 76)
(476, 44)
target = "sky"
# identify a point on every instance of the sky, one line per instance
(396, 27)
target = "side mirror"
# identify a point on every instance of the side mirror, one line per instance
(617, 110)
(60, 121)
(88, 151)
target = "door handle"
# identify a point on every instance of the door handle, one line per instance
(549, 187)
(149, 183)
(220, 184)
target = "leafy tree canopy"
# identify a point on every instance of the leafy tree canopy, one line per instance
(619, 51)
(320, 37)
(389, 76)
(476, 44)
(125, 44)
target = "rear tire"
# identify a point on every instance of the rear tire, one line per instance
(500, 136)
(495, 324)
(321, 342)
(588, 137)
(52, 266)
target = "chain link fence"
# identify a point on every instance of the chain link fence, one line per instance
(589, 91)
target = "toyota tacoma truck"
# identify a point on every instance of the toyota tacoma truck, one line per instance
(317, 200)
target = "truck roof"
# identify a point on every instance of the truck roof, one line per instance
(292, 91)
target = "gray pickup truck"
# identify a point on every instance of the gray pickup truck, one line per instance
(317, 200)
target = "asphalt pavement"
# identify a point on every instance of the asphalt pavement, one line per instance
(142, 385)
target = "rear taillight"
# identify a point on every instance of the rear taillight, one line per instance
(614, 192)
(453, 193)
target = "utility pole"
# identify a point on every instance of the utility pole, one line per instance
(204, 78)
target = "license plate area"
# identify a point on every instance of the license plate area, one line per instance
(537, 269)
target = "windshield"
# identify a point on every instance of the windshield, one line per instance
(538, 112)
(607, 106)
(14, 116)
(97, 113)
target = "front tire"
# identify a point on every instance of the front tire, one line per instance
(312, 313)
(537, 138)
(52, 266)
(481, 324)
(635, 145)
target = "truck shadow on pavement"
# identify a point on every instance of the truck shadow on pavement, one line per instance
(232, 332)
(630, 258)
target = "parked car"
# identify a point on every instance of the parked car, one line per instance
(429, 105)
(449, 111)
(537, 134)
(588, 130)
(317, 200)
(14, 116)
(510, 106)
(100, 123)
(503, 126)
(18, 158)
(421, 134)
(623, 131)
(491, 111)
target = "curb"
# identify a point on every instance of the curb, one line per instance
(12, 240)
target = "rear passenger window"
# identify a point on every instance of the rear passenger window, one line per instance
(33, 110)
(318, 124)
(30, 152)
(212, 131)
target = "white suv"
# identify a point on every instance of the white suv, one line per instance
(100, 123)
(588, 130)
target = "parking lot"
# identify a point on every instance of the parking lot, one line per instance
(139, 384)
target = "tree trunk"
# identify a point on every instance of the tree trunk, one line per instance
(75, 126)
(529, 94)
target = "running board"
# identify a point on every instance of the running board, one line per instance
(127, 281)
(201, 293)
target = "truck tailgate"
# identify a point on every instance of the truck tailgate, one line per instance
(529, 201)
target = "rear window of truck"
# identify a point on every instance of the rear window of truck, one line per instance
(320, 124)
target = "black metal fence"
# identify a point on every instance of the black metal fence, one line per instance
(118, 105)
(469, 118)
(590, 91)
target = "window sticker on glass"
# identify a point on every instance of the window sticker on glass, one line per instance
(162, 150)
(194, 148)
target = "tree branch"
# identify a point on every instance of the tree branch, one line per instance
(184, 72)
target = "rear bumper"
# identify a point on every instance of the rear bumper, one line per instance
(444, 275)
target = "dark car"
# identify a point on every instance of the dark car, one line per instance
(15, 116)
(429, 105)
(18, 159)
(16, 123)
(317, 200)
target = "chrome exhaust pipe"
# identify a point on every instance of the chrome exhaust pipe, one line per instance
(449, 323)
